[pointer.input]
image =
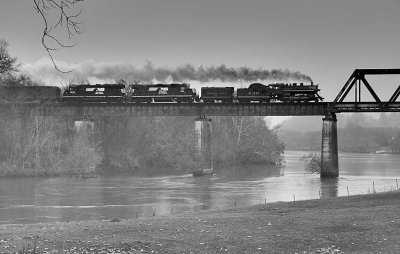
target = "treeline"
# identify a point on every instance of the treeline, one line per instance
(163, 145)
(51, 146)
(35, 145)
(352, 138)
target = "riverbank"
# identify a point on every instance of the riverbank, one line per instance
(355, 224)
(222, 169)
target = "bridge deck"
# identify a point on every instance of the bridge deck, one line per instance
(185, 109)
(200, 109)
(343, 107)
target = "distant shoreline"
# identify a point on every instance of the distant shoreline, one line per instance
(312, 151)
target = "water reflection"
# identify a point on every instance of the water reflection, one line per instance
(203, 193)
(44, 200)
(243, 172)
(329, 187)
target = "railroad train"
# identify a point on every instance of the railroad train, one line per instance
(29, 93)
(154, 93)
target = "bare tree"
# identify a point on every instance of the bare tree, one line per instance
(8, 64)
(59, 16)
(241, 126)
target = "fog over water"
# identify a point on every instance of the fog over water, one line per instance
(30, 200)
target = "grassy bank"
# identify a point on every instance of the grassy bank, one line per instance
(355, 224)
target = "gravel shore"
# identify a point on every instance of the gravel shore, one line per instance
(355, 224)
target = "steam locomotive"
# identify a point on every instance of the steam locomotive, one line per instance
(257, 92)
(153, 93)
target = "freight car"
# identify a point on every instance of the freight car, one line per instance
(163, 93)
(110, 93)
(214, 94)
(30, 94)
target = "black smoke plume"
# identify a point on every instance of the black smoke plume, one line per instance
(226, 74)
(108, 72)
(202, 74)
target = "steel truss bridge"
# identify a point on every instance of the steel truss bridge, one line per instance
(356, 81)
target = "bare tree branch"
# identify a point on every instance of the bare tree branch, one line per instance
(58, 15)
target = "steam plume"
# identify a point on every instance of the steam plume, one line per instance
(103, 72)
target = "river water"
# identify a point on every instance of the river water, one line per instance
(31, 200)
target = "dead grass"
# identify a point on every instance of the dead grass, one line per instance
(355, 224)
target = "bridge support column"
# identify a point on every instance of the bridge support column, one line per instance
(203, 143)
(329, 148)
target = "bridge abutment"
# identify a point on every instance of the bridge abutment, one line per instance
(329, 147)
(203, 129)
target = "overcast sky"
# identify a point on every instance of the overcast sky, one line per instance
(324, 39)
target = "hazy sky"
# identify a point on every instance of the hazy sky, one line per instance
(324, 39)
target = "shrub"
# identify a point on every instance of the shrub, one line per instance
(312, 163)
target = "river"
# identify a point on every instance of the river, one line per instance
(32, 200)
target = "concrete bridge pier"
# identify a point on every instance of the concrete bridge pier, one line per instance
(329, 148)
(203, 131)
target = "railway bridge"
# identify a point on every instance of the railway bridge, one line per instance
(329, 147)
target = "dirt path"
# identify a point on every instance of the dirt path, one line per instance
(356, 224)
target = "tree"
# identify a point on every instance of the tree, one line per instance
(58, 16)
(312, 163)
(8, 68)
(242, 140)
(8, 64)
